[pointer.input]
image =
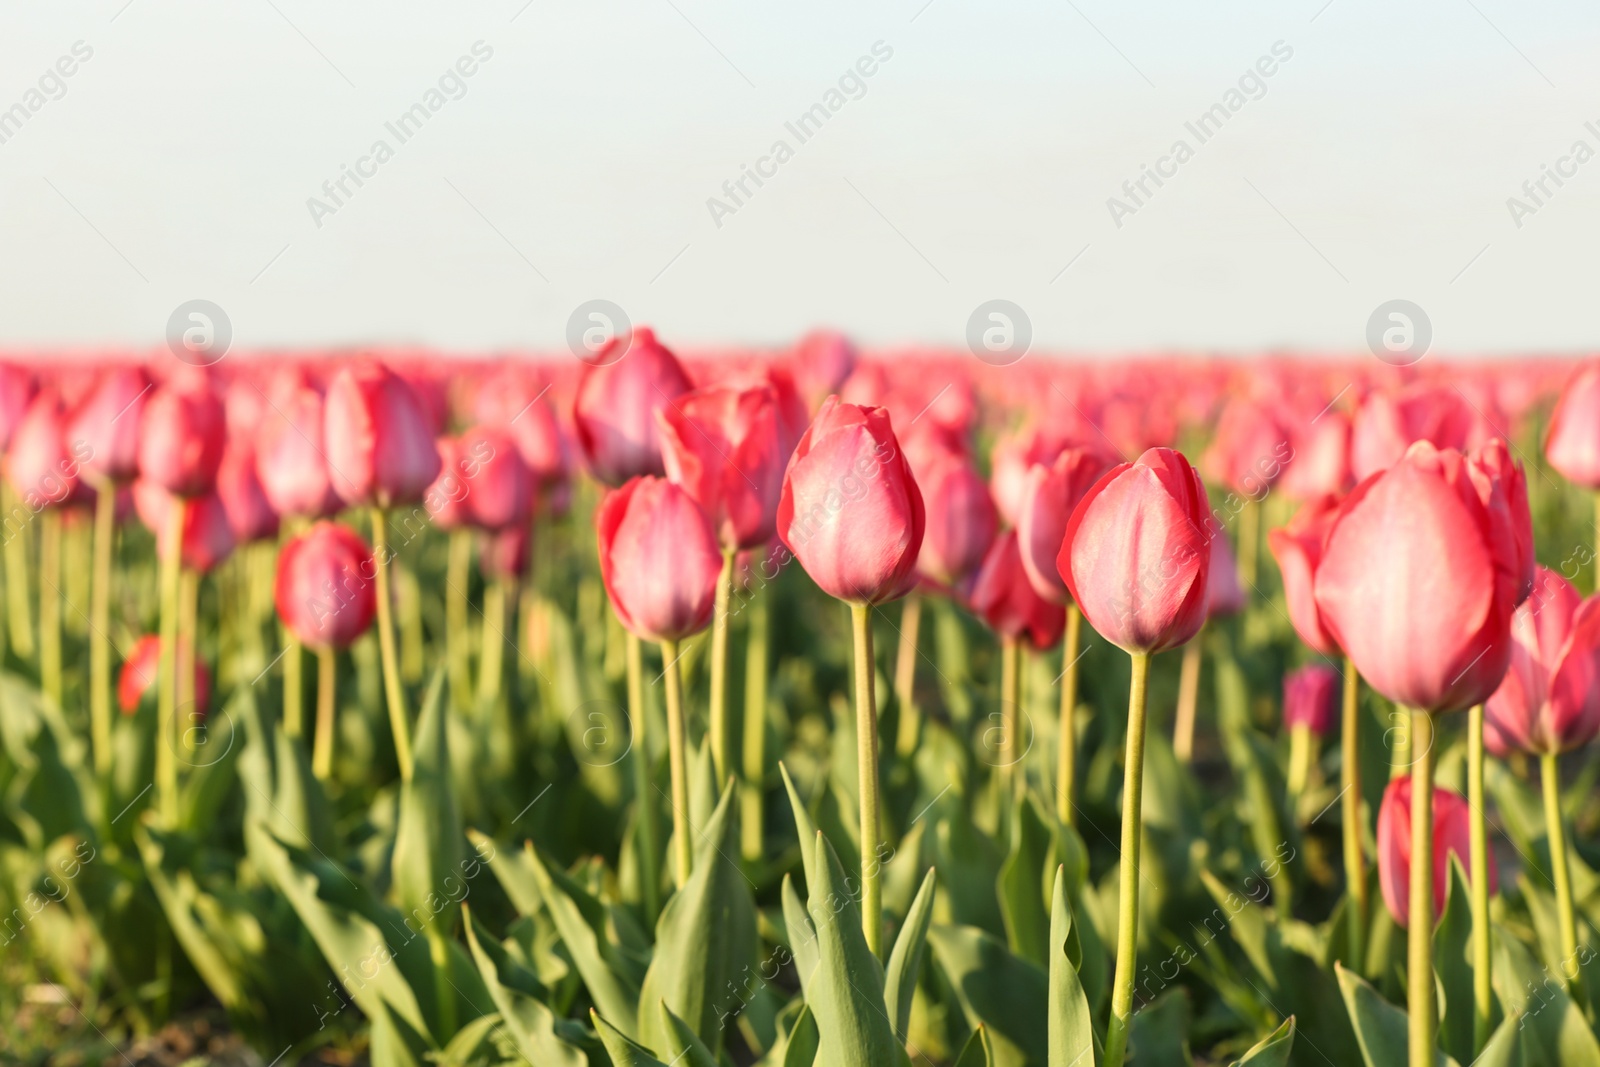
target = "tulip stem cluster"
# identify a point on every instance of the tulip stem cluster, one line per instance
(867, 776)
(167, 678)
(1128, 894)
(1355, 862)
(1067, 752)
(105, 532)
(1482, 997)
(1550, 773)
(678, 763)
(394, 696)
(1419, 963)
(721, 750)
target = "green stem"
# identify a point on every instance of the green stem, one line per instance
(50, 604)
(905, 677)
(1249, 543)
(1300, 755)
(1188, 703)
(188, 634)
(649, 842)
(322, 746)
(394, 696)
(105, 532)
(1010, 718)
(167, 675)
(408, 602)
(1482, 1004)
(678, 765)
(491, 662)
(293, 685)
(458, 651)
(867, 775)
(1128, 906)
(1420, 1003)
(721, 751)
(444, 988)
(20, 614)
(1355, 862)
(755, 730)
(1067, 754)
(1550, 772)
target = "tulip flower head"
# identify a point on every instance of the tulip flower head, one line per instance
(499, 486)
(959, 518)
(243, 499)
(1298, 549)
(1451, 837)
(42, 468)
(1573, 443)
(1250, 451)
(613, 412)
(1049, 496)
(1311, 698)
(181, 437)
(107, 423)
(290, 457)
(1549, 701)
(325, 591)
(377, 437)
(208, 536)
(1004, 598)
(141, 669)
(723, 446)
(659, 559)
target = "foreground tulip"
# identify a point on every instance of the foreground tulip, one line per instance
(1136, 559)
(614, 410)
(1310, 709)
(325, 595)
(139, 672)
(659, 561)
(723, 446)
(852, 515)
(1049, 496)
(1396, 847)
(1427, 639)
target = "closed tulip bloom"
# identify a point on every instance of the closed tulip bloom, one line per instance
(208, 536)
(1386, 424)
(499, 485)
(1012, 459)
(1451, 836)
(1136, 557)
(823, 360)
(1250, 450)
(290, 457)
(1050, 494)
(1321, 463)
(504, 553)
(722, 445)
(1573, 443)
(1004, 598)
(850, 509)
(1418, 579)
(377, 437)
(141, 669)
(243, 500)
(107, 423)
(1311, 698)
(1224, 594)
(446, 499)
(959, 518)
(1514, 523)
(613, 412)
(1298, 549)
(325, 592)
(658, 558)
(41, 467)
(1549, 701)
(181, 437)
(514, 401)
(16, 391)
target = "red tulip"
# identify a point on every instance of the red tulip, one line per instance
(181, 437)
(208, 537)
(243, 500)
(1321, 463)
(1006, 600)
(722, 446)
(141, 669)
(614, 410)
(107, 424)
(290, 457)
(1573, 444)
(1418, 579)
(850, 509)
(1451, 836)
(1311, 698)
(16, 391)
(1250, 450)
(40, 466)
(377, 437)
(822, 361)
(1049, 496)
(1135, 556)
(658, 558)
(959, 518)
(1549, 701)
(325, 590)
(1298, 549)
(498, 484)
(1224, 594)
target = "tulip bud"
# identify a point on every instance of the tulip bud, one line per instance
(181, 437)
(243, 500)
(377, 437)
(1004, 598)
(1321, 463)
(41, 468)
(16, 391)
(1136, 556)
(513, 401)
(658, 558)
(722, 446)
(1224, 594)
(613, 413)
(1418, 580)
(1012, 459)
(822, 362)
(1250, 450)
(504, 553)
(1573, 443)
(1311, 698)
(141, 669)
(107, 423)
(1049, 495)
(290, 459)
(325, 589)
(1298, 549)
(960, 521)
(446, 499)
(208, 537)
(499, 488)
(850, 510)
(1549, 701)
(1386, 424)
(1451, 836)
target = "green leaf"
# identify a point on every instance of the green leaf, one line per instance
(1452, 945)
(1504, 1048)
(427, 862)
(529, 1022)
(514, 871)
(1553, 1028)
(1070, 1027)
(905, 959)
(395, 1043)
(1381, 1028)
(1272, 1050)
(977, 1052)
(705, 938)
(800, 1047)
(1159, 1035)
(1020, 886)
(805, 829)
(996, 988)
(802, 935)
(612, 993)
(684, 1045)
(463, 1048)
(624, 1051)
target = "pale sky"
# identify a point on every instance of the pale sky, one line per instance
(975, 162)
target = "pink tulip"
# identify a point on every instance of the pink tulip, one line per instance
(658, 558)
(446, 499)
(614, 410)
(16, 391)
(1573, 443)
(1492, 461)
(1311, 698)
(1418, 579)
(1004, 598)
(499, 486)
(1250, 450)
(377, 437)
(325, 591)
(822, 361)
(1451, 836)
(42, 469)
(181, 436)
(1387, 424)
(1012, 459)
(722, 446)
(850, 509)
(959, 518)
(243, 500)
(208, 538)
(1224, 594)
(1049, 496)
(514, 401)
(504, 553)
(1321, 463)
(1298, 549)
(1135, 556)
(107, 424)
(1549, 701)
(291, 460)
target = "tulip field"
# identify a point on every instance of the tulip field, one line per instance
(798, 706)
